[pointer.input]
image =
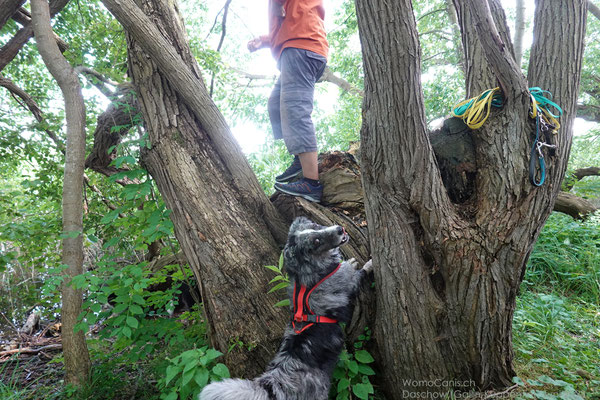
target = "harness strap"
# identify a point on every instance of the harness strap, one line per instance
(302, 311)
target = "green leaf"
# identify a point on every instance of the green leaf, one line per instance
(172, 371)
(96, 307)
(278, 287)
(365, 370)
(363, 356)
(127, 332)
(277, 278)
(221, 370)
(362, 390)
(171, 396)
(201, 377)
(187, 377)
(138, 299)
(343, 384)
(132, 322)
(135, 309)
(272, 268)
(283, 303)
(353, 366)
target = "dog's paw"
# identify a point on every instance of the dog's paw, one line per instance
(368, 267)
(353, 263)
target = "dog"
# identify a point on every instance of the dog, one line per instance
(322, 292)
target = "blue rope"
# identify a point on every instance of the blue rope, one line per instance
(539, 158)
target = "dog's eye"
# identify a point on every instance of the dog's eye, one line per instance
(317, 242)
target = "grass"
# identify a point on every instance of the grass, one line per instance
(556, 327)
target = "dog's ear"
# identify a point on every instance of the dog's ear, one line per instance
(300, 224)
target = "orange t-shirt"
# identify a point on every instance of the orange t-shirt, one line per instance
(302, 27)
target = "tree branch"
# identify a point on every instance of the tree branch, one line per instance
(7, 9)
(223, 33)
(581, 173)
(588, 112)
(594, 9)
(190, 87)
(497, 53)
(9, 51)
(519, 31)
(329, 76)
(575, 206)
(23, 17)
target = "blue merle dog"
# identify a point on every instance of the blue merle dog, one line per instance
(322, 292)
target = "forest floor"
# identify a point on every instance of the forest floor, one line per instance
(556, 342)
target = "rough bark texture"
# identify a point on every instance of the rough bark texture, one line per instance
(446, 271)
(77, 361)
(222, 219)
(120, 114)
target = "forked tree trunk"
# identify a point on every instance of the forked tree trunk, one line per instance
(225, 224)
(77, 360)
(447, 274)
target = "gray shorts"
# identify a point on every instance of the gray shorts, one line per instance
(291, 102)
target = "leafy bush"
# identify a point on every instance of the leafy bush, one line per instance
(189, 372)
(352, 372)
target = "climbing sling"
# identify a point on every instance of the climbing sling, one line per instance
(301, 306)
(476, 110)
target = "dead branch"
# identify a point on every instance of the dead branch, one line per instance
(29, 350)
(329, 76)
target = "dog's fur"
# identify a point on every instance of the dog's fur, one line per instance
(302, 368)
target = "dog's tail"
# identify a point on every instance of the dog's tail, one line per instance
(234, 389)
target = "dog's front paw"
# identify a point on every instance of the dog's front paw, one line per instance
(353, 263)
(368, 267)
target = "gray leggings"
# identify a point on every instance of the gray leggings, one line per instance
(291, 102)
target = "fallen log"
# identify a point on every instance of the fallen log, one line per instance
(29, 350)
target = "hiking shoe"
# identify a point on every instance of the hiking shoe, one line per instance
(301, 188)
(291, 172)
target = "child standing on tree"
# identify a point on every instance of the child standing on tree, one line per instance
(298, 42)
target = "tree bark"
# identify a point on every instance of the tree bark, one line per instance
(446, 272)
(225, 224)
(77, 362)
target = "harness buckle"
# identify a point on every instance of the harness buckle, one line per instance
(311, 318)
(300, 318)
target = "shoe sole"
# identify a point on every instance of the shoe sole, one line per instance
(288, 178)
(304, 196)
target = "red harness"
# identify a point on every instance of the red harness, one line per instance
(301, 304)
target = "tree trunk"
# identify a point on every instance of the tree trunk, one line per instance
(447, 273)
(77, 361)
(519, 30)
(225, 224)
